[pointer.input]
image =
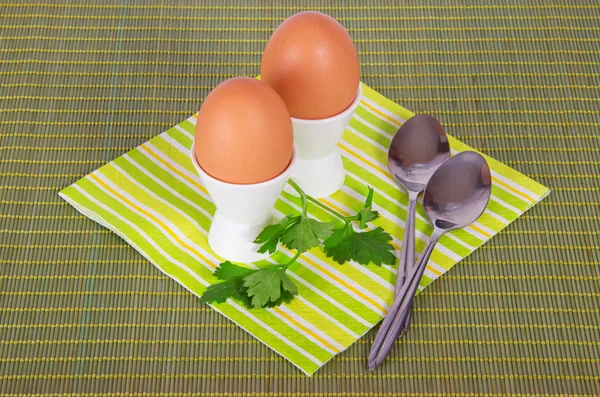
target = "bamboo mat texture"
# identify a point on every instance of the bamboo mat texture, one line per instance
(82, 83)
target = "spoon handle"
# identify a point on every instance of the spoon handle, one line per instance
(406, 259)
(393, 322)
(407, 255)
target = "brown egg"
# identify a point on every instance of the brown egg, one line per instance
(244, 132)
(312, 63)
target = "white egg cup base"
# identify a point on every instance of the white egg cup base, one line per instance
(319, 170)
(235, 241)
(243, 210)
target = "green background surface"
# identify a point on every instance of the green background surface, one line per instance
(82, 312)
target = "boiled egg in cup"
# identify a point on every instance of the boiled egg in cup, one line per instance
(312, 63)
(243, 152)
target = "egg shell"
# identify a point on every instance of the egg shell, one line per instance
(312, 63)
(244, 132)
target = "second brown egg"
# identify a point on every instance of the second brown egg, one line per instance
(312, 63)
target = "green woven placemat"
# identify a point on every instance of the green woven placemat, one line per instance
(81, 84)
(154, 199)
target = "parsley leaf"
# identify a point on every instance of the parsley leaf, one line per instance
(266, 287)
(367, 214)
(227, 271)
(269, 285)
(306, 233)
(220, 292)
(373, 246)
(286, 297)
(299, 233)
(231, 287)
(270, 236)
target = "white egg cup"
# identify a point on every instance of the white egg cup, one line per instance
(243, 210)
(319, 170)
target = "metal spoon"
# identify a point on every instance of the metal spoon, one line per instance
(456, 195)
(418, 148)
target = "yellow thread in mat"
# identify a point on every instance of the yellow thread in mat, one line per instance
(377, 87)
(277, 358)
(96, 111)
(218, 325)
(166, 74)
(131, 135)
(381, 29)
(18, 216)
(482, 87)
(33, 203)
(22, 161)
(93, 293)
(155, 219)
(292, 8)
(187, 178)
(430, 63)
(505, 111)
(40, 176)
(390, 40)
(280, 19)
(88, 276)
(458, 376)
(120, 325)
(67, 246)
(74, 231)
(537, 150)
(67, 149)
(523, 124)
(73, 262)
(98, 99)
(304, 329)
(248, 342)
(166, 52)
(492, 99)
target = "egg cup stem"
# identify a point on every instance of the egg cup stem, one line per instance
(242, 212)
(320, 177)
(235, 241)
(319, 170)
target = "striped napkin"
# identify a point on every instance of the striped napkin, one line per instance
(153, 198)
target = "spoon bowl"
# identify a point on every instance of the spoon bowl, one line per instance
(458, 192)
(418, 148)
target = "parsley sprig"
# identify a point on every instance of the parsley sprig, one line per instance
(270, 286)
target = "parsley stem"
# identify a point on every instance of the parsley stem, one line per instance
(305, 197)
(326, 208)
(292, 260)
(301, 193)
